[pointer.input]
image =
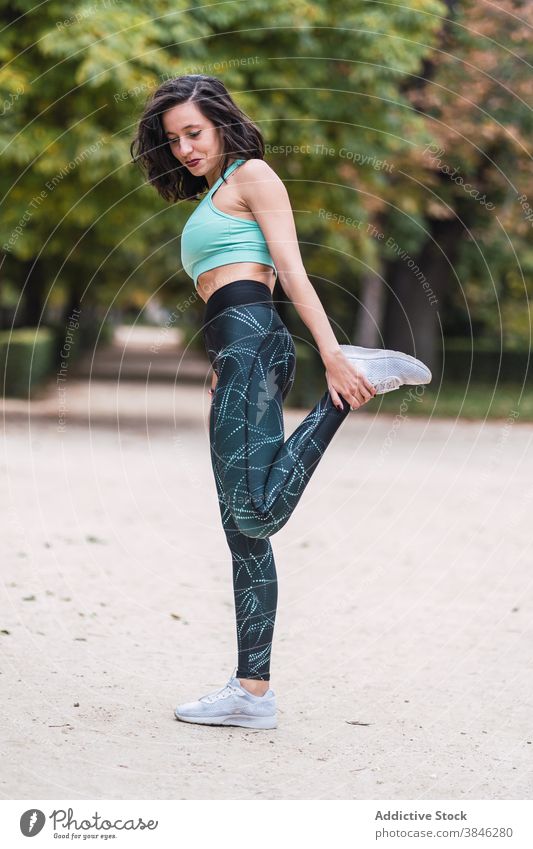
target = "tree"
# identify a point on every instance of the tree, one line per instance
(466, 183)
(316, 81)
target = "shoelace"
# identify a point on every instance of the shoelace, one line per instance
(223, 693)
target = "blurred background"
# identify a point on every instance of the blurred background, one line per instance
(402, 134)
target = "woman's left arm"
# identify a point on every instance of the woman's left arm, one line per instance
(268, 199)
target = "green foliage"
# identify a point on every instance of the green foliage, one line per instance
(456, 400)
(310, 74)
(476, 164)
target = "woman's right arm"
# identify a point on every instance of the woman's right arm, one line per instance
(268, 200)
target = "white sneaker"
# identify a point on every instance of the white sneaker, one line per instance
(231, 705)
(387, 370)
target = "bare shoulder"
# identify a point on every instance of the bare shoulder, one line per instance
(256, 171)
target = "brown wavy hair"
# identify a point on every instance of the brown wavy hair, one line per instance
(151, 149)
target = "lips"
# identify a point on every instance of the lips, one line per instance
(192, 163)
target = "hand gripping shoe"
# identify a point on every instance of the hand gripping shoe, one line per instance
(231, 705)
(387, 370)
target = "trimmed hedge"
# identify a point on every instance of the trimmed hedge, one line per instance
(27, 358)
(480, 361)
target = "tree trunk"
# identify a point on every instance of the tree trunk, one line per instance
(370, 314)
(32, 277)
(72, 302)
(417, 288)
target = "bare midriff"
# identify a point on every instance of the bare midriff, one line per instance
(215, 278)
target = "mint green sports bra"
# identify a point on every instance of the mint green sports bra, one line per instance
(211, 237)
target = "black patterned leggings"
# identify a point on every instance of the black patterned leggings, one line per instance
(259, 476)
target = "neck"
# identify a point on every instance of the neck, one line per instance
(210, 185)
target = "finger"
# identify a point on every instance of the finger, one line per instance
(364, 381)
(335, 398)
(358, 394)
(361, 396)
(369, 387)
(365, 393)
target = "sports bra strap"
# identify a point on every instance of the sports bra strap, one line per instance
(228, 170)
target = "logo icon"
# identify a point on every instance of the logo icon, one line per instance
(267, 390)
(32, 822)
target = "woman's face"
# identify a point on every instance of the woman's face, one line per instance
(191, 137)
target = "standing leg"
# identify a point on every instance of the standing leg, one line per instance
(255, 589)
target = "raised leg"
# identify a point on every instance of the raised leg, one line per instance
(261, 475)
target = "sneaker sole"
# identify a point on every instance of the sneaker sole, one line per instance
(388, 384)
(232, 719)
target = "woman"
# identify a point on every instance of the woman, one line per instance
(191, 136)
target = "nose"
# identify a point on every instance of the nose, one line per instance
(186, 150)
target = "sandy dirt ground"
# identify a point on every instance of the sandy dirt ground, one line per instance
(402, 652)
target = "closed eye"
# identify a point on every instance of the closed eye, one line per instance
(191, 135)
